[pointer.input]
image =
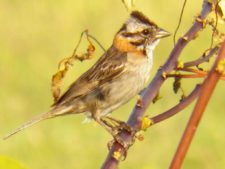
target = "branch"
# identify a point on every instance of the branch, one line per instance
(203, 58)
(180, 106)
(153, 88)
(206, 91)
(199, 72)
(222, 77)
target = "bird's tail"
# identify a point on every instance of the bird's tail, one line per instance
(50, 114)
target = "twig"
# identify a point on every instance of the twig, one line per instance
(180, 106)
(203, 58)
(179, 22)
(88, 36)
(206, 91)
(153, 88)
(199, 72)
(222, 77)
(215, 27)
(99, 44)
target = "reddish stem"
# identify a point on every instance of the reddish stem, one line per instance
(180, 106)
(206, 91)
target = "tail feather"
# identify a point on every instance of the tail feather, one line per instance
(36, 119)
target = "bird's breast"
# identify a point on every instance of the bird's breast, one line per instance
(140, 65)
(128, 85)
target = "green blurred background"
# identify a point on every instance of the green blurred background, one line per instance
(35, 35)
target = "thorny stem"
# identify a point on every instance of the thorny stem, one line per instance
(153, 88)
(206, 91)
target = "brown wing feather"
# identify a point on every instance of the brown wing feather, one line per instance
(108, 67)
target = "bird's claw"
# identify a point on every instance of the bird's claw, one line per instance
(124, 143)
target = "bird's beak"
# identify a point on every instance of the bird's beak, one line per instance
(161, 33)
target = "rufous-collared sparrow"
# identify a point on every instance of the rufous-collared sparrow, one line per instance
(118, 76)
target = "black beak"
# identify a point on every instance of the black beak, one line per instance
(161, 33)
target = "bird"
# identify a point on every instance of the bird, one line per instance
(118, 76)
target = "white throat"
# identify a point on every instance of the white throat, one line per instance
(149, 50)
(151, 47)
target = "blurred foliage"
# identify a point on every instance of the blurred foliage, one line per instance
(36, 35)
(8, 163)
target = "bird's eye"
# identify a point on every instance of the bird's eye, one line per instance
(146, 32)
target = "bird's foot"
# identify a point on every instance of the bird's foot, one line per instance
(116, 127)
(125, 145)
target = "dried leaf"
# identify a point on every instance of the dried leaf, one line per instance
(176, 84)
(177, 87)
(56, 83)
(129, 4)
(66, 63)
(217, 20)
(183, 96)
(199, 68)
(221, 10)
(156, 98)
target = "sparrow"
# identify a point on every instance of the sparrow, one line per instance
(118, 76)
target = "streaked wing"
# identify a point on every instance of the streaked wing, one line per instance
(110, 66)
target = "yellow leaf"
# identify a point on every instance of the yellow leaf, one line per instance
(145, 123)
(221, 66)
(180, 64)
(66, 63)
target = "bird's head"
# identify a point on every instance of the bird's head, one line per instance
(137, 33)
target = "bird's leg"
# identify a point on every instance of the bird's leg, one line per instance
(108, 128)
(118, 126)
